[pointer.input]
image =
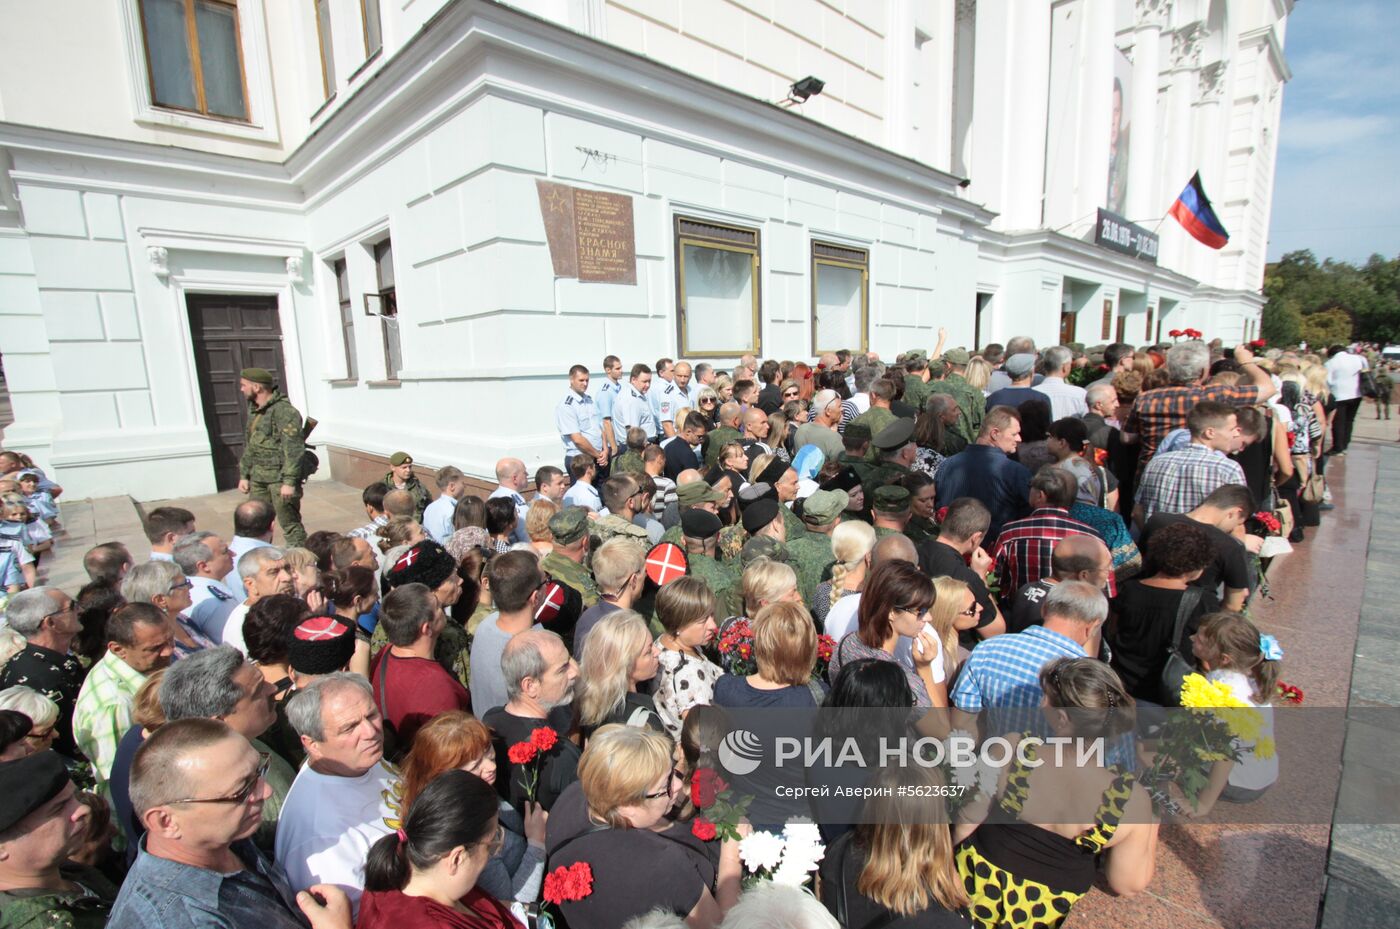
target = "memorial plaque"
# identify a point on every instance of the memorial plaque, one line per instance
(557, 211)
(607, 249)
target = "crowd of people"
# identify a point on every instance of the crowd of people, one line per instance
(497, 711)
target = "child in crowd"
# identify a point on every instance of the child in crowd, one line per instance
(19, 523)
(40, 501)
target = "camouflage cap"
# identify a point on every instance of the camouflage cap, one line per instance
(258, 376)
(765, 546)
(697, 492)
(569, 525)
(957, 356)
(891, 499)
(821, 507)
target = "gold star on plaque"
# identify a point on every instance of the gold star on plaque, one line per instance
(556, 201)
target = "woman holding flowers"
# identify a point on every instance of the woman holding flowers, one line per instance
(1029, 853)
(458, 741)
(425, 875)
(686, 610)
(609, 863)
(784, 651)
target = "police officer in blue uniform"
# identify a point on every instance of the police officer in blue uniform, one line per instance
(607, 395)
(633, 407)
(576, 417)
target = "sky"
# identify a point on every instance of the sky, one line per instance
(1337, 185)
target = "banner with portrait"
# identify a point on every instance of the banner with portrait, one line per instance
(1116, 200)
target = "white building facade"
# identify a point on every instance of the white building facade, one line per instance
(355, 193)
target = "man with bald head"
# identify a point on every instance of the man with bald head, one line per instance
(252, 528)
(689, 391)
(756, 433)
(512, 479)
(1075, 558)
(730, 415)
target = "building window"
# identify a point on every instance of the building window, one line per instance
(388, 308)
(840, 298)
(374, 30)
(717, 289)
(1066, 325)
(347, 317)
(1122, 328)
(194, 56)
(323, 34)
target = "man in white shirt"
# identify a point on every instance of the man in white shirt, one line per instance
(437, 518)
(252, 528)
(1065, 398)
(512, 479)
(264, 573)
(346, 796)
(632, 406)
(206, 561)
(1344, 380)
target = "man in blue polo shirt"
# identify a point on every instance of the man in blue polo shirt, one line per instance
(983, 471)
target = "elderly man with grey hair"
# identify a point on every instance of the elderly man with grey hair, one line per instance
(1158, 412)
(346, 797)
(1065, 398)
(47, 619)
(540, 678)
(264, 573)
(163, 585)
(1016, 345)
(206, 560)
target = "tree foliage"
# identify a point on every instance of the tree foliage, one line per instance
(1334, 301)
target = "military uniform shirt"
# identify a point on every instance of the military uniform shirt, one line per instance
(607, 396)
(972, 405)
(274, 446)
(666, 402)
(632, 409)
(577, 413)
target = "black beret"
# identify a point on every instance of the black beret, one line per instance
(426, 563)
(757, 515)
(845, 479)
(699, 524)
(29, 783)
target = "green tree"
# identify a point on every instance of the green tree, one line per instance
(1329, 327)
(1350, 302)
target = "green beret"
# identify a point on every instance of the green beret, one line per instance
(399, 458)
(697, 492)
(821, 507)
(891, 499)
(765, 546)
(957, 356)
(569, 525)
(857, 431)
(29, 783)
(257, 376)
(896, 435)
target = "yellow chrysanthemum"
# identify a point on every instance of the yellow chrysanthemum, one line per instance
(1265, 749)
(1197, 692)
(1211, 756)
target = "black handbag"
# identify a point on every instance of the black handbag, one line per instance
(1177, 667)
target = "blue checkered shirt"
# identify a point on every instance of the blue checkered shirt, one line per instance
(1178, 482)
(1003, 672)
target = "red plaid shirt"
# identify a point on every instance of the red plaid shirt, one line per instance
(1025, 546)
(1159, 411)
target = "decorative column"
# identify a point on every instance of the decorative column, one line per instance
(1144, 162)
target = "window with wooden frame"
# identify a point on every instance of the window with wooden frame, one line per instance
(323, 36)
(347, 317)
(840, 298)
(385, 305)
(717, 289)
(194, 57)
(374, 29)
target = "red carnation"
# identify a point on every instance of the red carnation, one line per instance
(1176, 333)
(941, 514)
(703, 829)
(826, 646)
(705, 786)
(564, 885)
(521, 753)
(544, 738)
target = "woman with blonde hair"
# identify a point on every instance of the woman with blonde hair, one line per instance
(955, 609)
(851, 543)
(537, 524)
(896, 866)
(724, 388)
(707, 402)
(614, 820)
(784, 652)
(306, 575)
(979, 373)
(458, 741)
(618, 655)
(767, 581)
(686, 610)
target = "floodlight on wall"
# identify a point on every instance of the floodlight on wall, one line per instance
(799, 92)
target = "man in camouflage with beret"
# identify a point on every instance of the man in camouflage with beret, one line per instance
(916, 378)
(971, 402)
(271, 467)
(699, 535)
(890, 511)
(400, 476)
(812, 556)
(566, 562)
(693, 494)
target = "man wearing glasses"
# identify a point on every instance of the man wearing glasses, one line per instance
(48, 621)
(199, 788)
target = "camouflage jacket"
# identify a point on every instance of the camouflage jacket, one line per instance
(811, 559)
(921, 530)
(718, 439)
(54, 909)
(723, 581)
(613, 526)
(882, 532)
(572, 573)
(629, 462)
(421, 497)
(972, 405)
(882, 474)
(915, 391)
(273, 446)
(876, 418)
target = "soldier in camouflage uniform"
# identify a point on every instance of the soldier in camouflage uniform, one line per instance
(271, 466)
(565, 563)
(897, 451)
(45, 891)
(630, 461)
(727, 432)
(916, 379)
(972, 404)
(879, 416)
(699, 531)
(856, 438)
(812, 557)
(693, 495)
(400, 476)
(891, 511)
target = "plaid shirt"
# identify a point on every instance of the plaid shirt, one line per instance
(1025, 546)
(103, 712)
(1003, 672)
(1159, 411)
(1177, 482)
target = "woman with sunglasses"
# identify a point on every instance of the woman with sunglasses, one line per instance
(424, 875)
(707, 404)
(614, 820)
(40, 715)
(893, 626)
(163, 585)
(458, 741)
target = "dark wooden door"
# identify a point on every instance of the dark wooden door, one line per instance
(1122, 321)
(1066, 327)
(231, 332)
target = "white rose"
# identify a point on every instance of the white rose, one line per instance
(761, 851)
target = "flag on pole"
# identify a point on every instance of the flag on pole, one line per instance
(1192, 209)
